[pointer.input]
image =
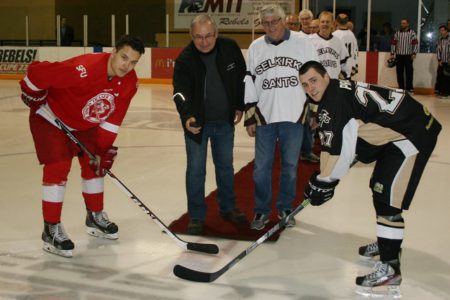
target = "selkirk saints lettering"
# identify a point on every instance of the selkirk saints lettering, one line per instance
(280, 82)
(322, 51)
(329, 63)
(276, 62)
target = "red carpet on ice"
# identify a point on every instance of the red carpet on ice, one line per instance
(215, 226)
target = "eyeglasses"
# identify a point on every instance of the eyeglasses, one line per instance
(271, 23)
(199, 38)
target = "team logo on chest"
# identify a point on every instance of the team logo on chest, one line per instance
(99, 108)
(324, 117)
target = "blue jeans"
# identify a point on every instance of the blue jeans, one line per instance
(221, 135)
(289, 136)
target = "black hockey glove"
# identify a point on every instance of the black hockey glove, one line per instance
(319, 192)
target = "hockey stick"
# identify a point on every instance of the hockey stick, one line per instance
(199, 247)
(198, 276)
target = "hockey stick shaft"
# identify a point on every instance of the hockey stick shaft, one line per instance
(199, 247)
(193, 275)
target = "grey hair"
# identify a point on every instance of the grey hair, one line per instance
(272, 10)
(203, 19)
(306, 13)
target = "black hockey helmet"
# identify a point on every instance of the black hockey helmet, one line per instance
(391, 62)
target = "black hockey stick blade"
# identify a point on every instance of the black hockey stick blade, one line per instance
(193, 275)
(199, 276)
(205, 248)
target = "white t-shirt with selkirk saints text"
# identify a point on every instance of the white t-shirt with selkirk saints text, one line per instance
(332, 55)
(273, 92)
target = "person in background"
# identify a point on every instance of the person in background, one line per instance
(331, 50)
(208, 91)
(292, 23)
(274, 110)
(443, 56)
(67, 33)
(90, 94)
(371, 124)
(404, 47)
(348, 38)
(305, 17)
(314, 26)
(385, 38)
(307, 153)
(350, 26)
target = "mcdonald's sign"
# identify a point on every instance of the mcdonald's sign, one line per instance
(163, 61)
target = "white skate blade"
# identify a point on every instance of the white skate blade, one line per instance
(52, 249)
(98, 233)
(383, 291)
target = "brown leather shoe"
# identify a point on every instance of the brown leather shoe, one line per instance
(234, 215)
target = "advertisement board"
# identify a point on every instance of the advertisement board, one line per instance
(228, 14)
(15, 60)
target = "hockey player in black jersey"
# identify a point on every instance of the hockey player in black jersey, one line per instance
(368, 123)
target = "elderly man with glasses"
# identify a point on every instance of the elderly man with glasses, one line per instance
(208, 90)
(274, 110)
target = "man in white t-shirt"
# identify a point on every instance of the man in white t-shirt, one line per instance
(349, 40)
(331, 50)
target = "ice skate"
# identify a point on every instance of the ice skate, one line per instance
(383, 282)
(56, 240)
(99, 225)
(369, 251)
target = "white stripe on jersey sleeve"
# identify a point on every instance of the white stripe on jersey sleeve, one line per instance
(109, 127)
(347, 154)
(31, 85)
(250, 90)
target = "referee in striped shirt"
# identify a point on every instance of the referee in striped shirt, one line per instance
(443, 56)
(404, 47)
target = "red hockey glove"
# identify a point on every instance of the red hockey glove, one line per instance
(104, 162)
(32, 98)
(319, 192)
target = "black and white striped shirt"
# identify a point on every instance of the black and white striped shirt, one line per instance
(404, 42)
(443, 49)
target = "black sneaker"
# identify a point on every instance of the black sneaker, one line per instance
(285, 213)
(195, 227)
(259, 222)
(234, 215)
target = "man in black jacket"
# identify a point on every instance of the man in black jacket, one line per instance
(209, 95)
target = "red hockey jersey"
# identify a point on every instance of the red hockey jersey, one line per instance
(81, 94)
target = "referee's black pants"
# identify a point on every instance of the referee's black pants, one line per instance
(442, 82)
(405, 66)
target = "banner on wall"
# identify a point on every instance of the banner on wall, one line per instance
(15, 60)
(228, 14)
(163, 61)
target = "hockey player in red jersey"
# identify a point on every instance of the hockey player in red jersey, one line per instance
(90, 94)
(369, 123)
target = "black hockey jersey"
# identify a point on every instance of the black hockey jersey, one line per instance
(352, 114)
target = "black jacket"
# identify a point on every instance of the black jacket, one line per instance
(189, 81)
